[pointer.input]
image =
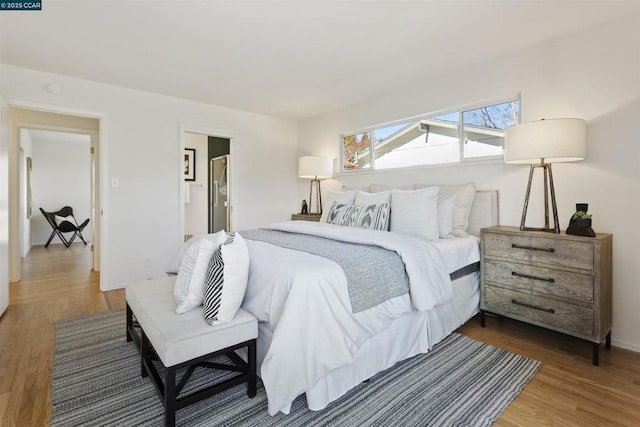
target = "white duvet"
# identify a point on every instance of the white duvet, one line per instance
(305, 301)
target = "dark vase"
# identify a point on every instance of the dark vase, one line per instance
(583, 222)
(584, 207)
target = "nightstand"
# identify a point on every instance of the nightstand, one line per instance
(305, 217)
(556, 281)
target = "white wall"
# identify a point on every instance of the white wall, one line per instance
(61, 176)
(196, 219)
(25, 151)
(140, 146)
(593, 75)
(4, 206)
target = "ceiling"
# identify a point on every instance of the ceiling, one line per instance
(293, 59)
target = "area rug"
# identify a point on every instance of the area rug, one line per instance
(461, 382)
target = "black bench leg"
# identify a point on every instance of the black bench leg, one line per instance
(251, 356)
(483, 322)
(596, 354)
(170, 397)
(607, 342)
(144, 350)
(129, 323)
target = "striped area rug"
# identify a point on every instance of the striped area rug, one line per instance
(461, 382)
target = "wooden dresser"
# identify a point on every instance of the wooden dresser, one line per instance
(557, 281)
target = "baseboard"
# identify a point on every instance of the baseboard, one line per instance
(625, 345)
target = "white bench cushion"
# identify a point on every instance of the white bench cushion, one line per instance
(179, 338)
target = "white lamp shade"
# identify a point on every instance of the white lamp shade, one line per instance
(554, 140)
(315, 167)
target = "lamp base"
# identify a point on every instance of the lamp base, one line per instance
(548, 185)
(318, 194)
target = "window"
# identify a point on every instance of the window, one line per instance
(446, 138)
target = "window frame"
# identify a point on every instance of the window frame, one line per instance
(460, 110)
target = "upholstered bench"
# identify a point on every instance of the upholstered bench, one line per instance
(186, 341)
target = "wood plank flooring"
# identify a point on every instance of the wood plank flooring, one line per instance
(57, 283)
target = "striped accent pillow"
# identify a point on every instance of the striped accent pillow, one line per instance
(374, 217)
(226, 280)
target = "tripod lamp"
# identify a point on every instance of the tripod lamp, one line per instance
(315, 168)
(540, 144)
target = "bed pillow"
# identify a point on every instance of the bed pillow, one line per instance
(188, 290)
(415, 212)
(375, 217)
(226, 280)
(364, 198)
(217, 238)
(446, 205)
(375, 188)
(343, 197)
(465, 194)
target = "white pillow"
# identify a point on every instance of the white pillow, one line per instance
(446, 205)
(188, 290)
(60, 219)
(217, 238)
(364, 198)
(464, 199)
(343, 197)
(226, 281)
(375, 188)
(415, 212)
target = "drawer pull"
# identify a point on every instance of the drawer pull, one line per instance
(524, 304)
(527, 276)
(532, 248)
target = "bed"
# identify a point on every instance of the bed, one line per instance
(311, 339)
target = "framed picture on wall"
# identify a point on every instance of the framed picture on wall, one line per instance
(189, 164)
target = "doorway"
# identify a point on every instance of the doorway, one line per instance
(61, 177)
(23, 122)
(207, 184)
(219, 213)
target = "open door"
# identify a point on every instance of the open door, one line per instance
(220, 191)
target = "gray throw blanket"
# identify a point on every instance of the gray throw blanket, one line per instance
(374, 274)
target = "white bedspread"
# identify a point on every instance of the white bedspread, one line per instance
(304, 299)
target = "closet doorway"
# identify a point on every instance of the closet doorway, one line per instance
(207, 184)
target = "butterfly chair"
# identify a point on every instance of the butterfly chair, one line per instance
(63, 221)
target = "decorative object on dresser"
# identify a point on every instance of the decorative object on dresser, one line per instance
(305, 217)
(556, 281)
(580, 222)
(315, 168)
(539, 144)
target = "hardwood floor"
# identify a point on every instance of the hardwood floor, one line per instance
(568, 390)
(56, 284)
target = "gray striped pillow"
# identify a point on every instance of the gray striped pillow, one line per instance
(374, 217)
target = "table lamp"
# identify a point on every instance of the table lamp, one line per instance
(540, 144)
(315, 168)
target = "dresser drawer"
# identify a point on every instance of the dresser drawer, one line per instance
(551, 251)
(539, 309)
(560, 283)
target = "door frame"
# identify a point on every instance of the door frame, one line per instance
(15, 225)
(220, 133)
